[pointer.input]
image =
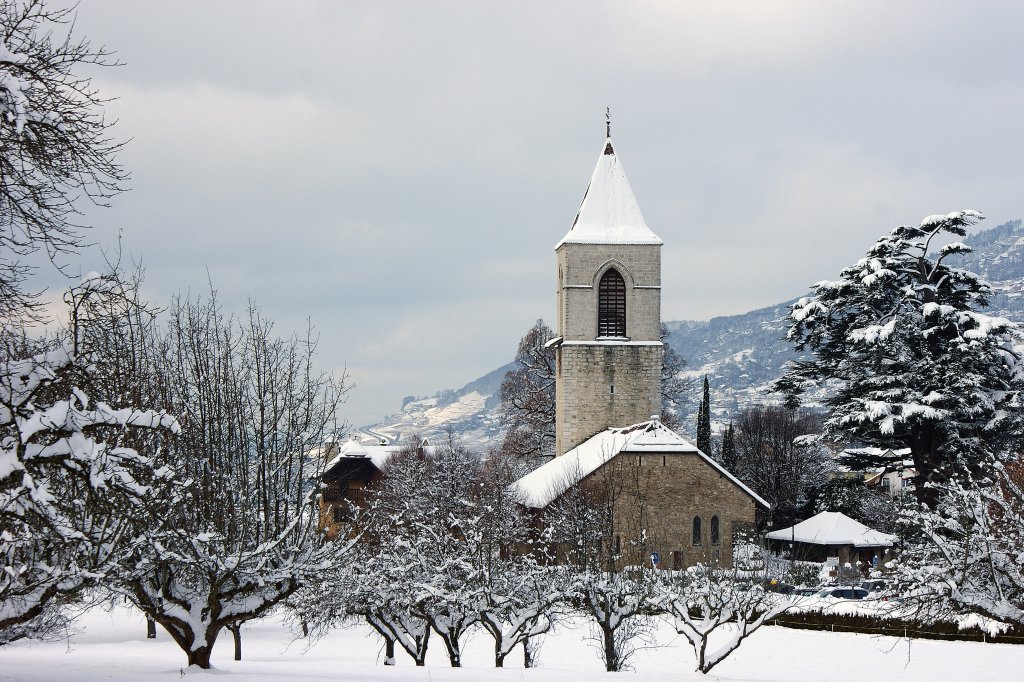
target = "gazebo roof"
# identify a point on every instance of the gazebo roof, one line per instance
(833, 528)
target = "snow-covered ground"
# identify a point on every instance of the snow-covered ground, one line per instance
(112, 646)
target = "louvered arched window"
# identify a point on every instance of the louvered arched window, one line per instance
(611, 304)
(696, 531)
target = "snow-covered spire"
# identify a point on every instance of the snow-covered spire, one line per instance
(609, 213)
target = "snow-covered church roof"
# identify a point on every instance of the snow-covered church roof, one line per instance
(833, 528)
(543, 485)
(609, 213)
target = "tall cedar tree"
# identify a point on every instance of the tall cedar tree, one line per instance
(913, 361)
(704, 421)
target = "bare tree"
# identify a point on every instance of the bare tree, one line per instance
(965, 555)
(244, 535)
(528, 396)
(674, 386)
(773, 463)
(72, 483)
(707, 600)
(55, 143)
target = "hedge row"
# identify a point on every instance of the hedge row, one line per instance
(895, 627)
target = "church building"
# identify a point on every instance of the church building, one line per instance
(608, 350)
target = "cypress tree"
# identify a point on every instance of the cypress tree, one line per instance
(704, 421)
(728, 456)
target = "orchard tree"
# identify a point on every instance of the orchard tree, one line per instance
(243, 535)
(73, 486)
(708, 602)
(913, 360)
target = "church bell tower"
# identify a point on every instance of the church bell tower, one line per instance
(608, 348)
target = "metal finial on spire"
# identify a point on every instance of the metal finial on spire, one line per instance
(608, 131)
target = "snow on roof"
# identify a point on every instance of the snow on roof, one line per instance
(543, 485)
(833, 528)
(377, 454)
(609, 213)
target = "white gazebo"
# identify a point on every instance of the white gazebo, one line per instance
(833, 534)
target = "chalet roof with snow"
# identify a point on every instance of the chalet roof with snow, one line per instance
(609, 213)
(833, 528)
(544, 485)
(353, 452)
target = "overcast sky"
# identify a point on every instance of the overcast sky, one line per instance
(400, 172)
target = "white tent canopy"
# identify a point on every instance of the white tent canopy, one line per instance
(833, 528)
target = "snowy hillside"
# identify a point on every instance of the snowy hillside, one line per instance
(470, 411)
(740, 354)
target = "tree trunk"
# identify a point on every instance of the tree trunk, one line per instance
(611, 655)
(450, 637)
(200, 657)
(150, 628)
(236, 633)
(529, 653)
(389, 651)
(499, 657)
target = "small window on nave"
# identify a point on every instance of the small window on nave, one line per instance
(611, 304)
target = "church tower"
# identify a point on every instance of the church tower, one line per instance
(608, 349)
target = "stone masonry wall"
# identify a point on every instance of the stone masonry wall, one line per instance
(604, 384)
(580, 268)
(661, 495)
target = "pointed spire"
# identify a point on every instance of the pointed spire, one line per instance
(609, 213)
(607, 131)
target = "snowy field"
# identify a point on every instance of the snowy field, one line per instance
(112, 646)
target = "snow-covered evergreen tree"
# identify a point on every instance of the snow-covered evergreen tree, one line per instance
(914, 361)
(704, 421)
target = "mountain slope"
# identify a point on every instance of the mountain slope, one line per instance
(740, 354)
